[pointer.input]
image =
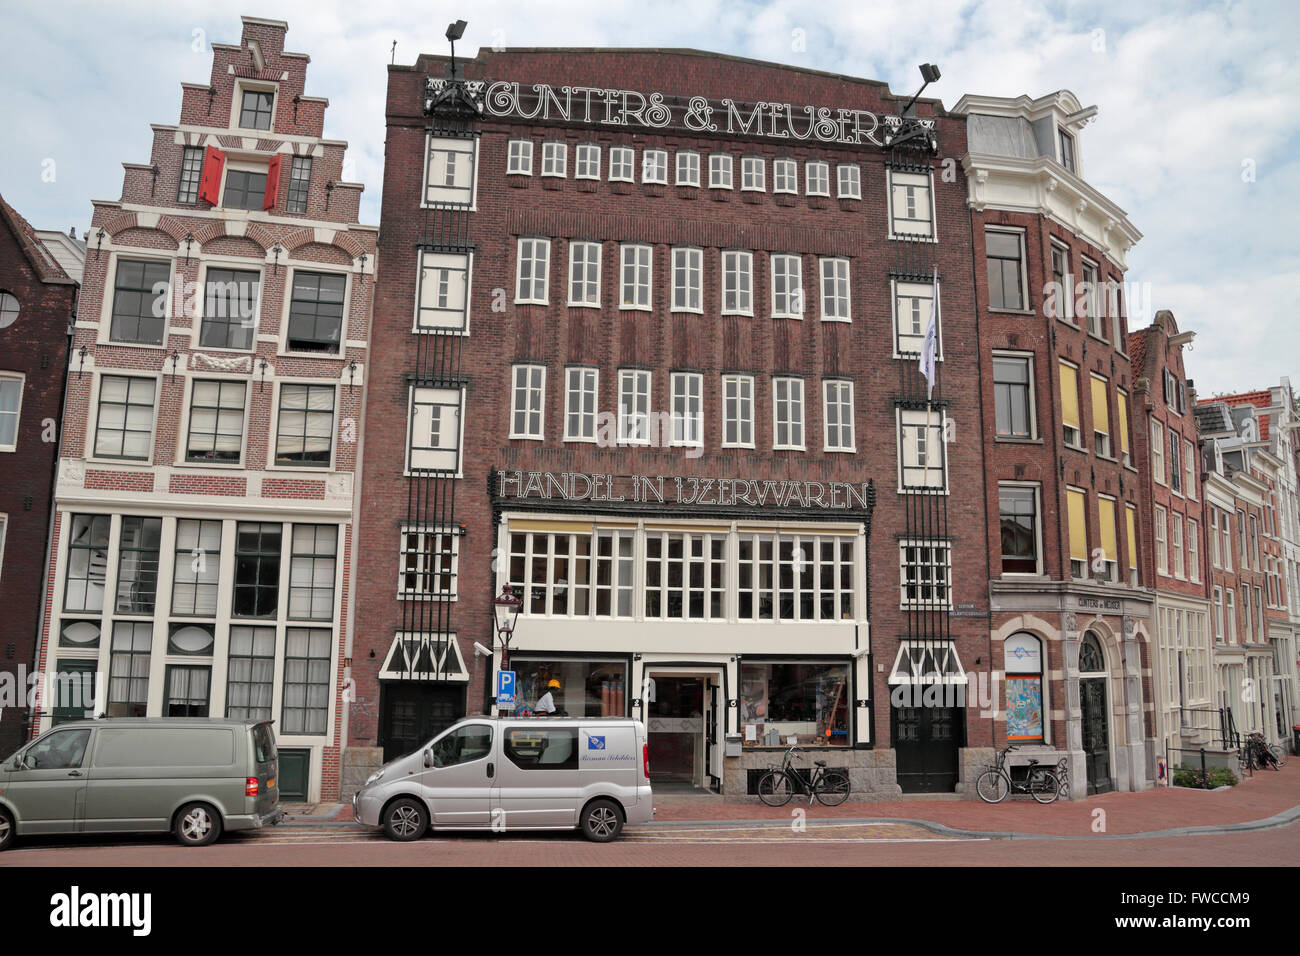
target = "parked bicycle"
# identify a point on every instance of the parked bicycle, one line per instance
(780, 784)
(1043, 784)
(1261, 754)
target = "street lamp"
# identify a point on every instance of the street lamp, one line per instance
(505, 610)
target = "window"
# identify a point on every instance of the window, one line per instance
(1018, 517)
(621, 160)
(1004, 252)
(434, 429)
(808, 700)
(191, 171)
(137, 568)
(850, 181)
(250, 673)
(688, 169)
(1158, 452)
(835, 290)
(654, 166)
(245, 189)
(1193, 550)
(719, 171)
(1130, 514)
(787, 287)
(1215, 560)
(688, 267)
(306, 681)
(1241, 537)
(1227, 541)
(316, 312)
(442, 300)
(519, 157)
(737, 411)
(1175, 463)
(87, 563)
(1100, 417)
(913, 303)
(555, 159)
(587, 165)
(194, 571)
(188, 686)
(1254, 543)
(305, 430)
(737, 283)
(429, 563)
(785, 176)
(1023, 657)
(1076, 511)
(311, 572)
(753, 174)
(787, 577)
(636, 277)
(1070, 406)
(1013, 395)
(216, 432)
(817, 179)
(453, 171)
(9, 308)
(532, 282)
(1121, 412)
(1219, 634)
(1189, 470)
(1067, 151)
(926, 572)
(529, 384)
(1060, 302)
(1247, 618)
(837, 415)
(584, 274)
(921, 451)
(580, 398)
(909, 205)
(533, 748)
(255, 109)
(1176, 541)
(139, 302)
(128, 669)
(1162, 546)
(634, 407)
(1090, 300)
(465, 744)
(1230, 612)
(688, 409)
(787, 413)
(299, 185)
(257, 570)
(230, 298)
(125, 424)
(11, 402)
(552, 573)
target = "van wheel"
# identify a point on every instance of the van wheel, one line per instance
(406, 820)
(197, 824)
(6, 830)
(602, 821)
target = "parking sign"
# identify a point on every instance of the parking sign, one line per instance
(506, 689)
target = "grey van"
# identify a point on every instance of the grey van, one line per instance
(192, 776)
(495, 773)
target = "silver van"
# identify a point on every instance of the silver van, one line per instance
(192, 776)
(496, 773)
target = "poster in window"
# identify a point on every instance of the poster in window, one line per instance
(1024, 708)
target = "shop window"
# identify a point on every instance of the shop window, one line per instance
(790, 699)
(1023, 657)
(578, 688)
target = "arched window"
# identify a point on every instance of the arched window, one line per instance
(1091, 660)
(8, 309)
(1023, 663)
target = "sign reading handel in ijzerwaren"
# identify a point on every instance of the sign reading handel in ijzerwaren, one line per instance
(658, 489)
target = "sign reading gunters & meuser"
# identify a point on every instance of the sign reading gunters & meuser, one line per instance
(660, 489)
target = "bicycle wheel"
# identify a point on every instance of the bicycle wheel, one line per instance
(993, 786)
(833, 788)
(1279, 752)
(775, 788)
(1046, 788)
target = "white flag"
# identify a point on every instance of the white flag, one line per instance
(930, 348)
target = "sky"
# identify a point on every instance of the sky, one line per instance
(1196, 135)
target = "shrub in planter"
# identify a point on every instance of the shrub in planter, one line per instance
(1214, 777)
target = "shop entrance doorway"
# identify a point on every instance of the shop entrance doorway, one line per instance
(681, 711)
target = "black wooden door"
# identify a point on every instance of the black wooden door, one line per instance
(925, 748)
(1096, 734)
(413, 714)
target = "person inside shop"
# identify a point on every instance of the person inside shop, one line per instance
(546, 704)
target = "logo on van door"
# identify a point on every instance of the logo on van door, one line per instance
(595, 743)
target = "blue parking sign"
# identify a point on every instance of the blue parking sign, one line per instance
(505, 688)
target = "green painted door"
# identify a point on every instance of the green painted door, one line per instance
(74, 691)
(295, 765)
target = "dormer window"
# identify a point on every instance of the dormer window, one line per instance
(1067, 151)
(255, 109)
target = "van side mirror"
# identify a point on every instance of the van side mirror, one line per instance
(428, 757)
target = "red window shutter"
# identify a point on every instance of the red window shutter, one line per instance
(272, 181)
(214, 162)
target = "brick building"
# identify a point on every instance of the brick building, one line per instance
(203, 532)
(1069, 602)
(38, 300)
(652, 361)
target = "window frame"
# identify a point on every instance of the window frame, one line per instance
(845, 423)
(539, 270)
(276, 432)
(689, 181)
(820, 183)
(534, 386)
(785, 168)
(742, 402)
(587, 375)
(720, 164)
(20, 379)
(854, 181)
(654, 161)
(186, 451)
(94, 453)
(622, 158)
(1034, 490)
(555, 159)
(293, 345)
(836, 298)
(1031, 410)
(894, 233)
(636, 249)
(753, 174)
(743, 276)
(587, 283)
(681, 295)
(1022, 288)
(584, 156)
(793, 295)
(519, 157)
(791, 403)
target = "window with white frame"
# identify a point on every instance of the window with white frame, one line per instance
(634, 406)
(787, 413)
(1175, 463)
(305, 426)
(635, 277)
(139, 310)
(452, 169)
(654, 166)
(785, 176)
(429, 563)
(434, 429)
(1130, 514)
(737, 282)
(837, 415)
(1059, 303)
(532, 276)
(835, 290)
(783, 577)
(578, 574)
(87, 563)
(1220, 635)
(442, 300)
(1157, 452)
(1108, 532)
(555, 159)
(685, 576)
(1214, 537)
(1076, 502)
(1247, 616)
(1090, 299)
(11, 404)
(1193, 550)
(528, 388)
(913, 303)
(1227, 541)
(1013, 395)
(737, 411)
(719, 171)
(1176, 543)
(850, 181)
(196, 568)
(1230, 612)
(911, 211)
(921, 452)
(519, 160)
(1162, 545)
(753, 174)
(688, 409)
(313, 561)
(1071, 423)
(584, 274)
(1189, 470)
(125, 424)
(586, 163)
(581, 390)
(622, 164)
(925, 573)
(688, 270)
(230, 298)
(817, 179)
(1100, 416)
(216, 431)
(787, 287)
(688, 168)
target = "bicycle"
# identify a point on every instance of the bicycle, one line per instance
(1044, 785)
(780, 784)
(1263, 754)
